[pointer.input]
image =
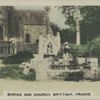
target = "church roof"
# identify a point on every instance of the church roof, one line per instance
(32, 17)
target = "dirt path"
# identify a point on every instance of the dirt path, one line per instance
(19, 85)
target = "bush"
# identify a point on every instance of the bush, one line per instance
(79, 50)
(14, 72)
(74, 76)
(18, 58)
(31, 75)
(94, 48)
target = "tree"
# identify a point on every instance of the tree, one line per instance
(94, 47)
(90, 24)
(72, 15)
(67, 35)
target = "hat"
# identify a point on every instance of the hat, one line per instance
(66, 43)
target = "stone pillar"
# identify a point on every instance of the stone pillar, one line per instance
(41, 68)
(42, 45)
(77, 33)
(78, 18)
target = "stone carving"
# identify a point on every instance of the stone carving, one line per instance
(49, 44)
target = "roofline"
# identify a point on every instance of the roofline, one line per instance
(25, 10)
(36, 24)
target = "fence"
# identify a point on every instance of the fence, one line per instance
(8, 49)
(5, 48)
(23, 46)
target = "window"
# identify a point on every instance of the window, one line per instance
(1, 33)
(27, 37)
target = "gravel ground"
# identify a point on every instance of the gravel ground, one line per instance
(19, 85)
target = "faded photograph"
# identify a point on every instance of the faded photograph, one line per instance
(50, 43)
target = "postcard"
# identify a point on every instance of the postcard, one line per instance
(49, 51)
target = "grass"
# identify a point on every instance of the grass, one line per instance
(12, 70)
(18, 58)
(74, 76)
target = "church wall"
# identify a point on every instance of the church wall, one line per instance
(35, 31)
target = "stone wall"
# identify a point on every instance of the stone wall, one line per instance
(34, 30)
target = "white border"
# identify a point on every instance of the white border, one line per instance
(49, 2)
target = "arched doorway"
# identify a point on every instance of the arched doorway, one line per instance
(27, 37)
(1, 33)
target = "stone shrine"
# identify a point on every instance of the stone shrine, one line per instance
(49, 44)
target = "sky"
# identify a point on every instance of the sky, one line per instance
(55, 15)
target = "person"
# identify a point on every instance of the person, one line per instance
(12, 46)
(67, 55)
(66, 48)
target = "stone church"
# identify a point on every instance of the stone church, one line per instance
(22, 26)
(30, 23)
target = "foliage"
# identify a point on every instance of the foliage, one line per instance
(79, 50)
(94, 47)
(70, 15)
(89, 26)
(31, 75)
(11, 71)
(67, 36)
(14, 72)
(74, 76)
(18, 58)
